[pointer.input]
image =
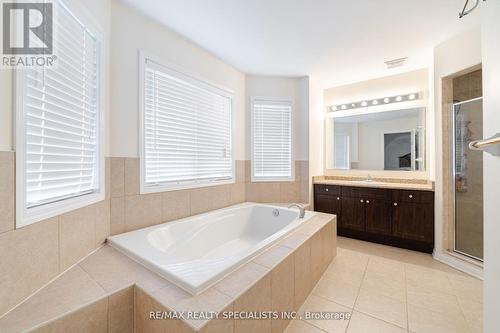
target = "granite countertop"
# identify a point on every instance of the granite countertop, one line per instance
(389, 183)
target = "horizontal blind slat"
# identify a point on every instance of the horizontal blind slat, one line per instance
(61, 111)
(187, 130)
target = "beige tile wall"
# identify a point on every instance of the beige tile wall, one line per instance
(284, 286)
(33, 255)
(131, 210)
(112, 314)
(296, 191)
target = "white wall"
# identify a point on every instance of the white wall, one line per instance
(316, 127)
(371, 139)
(297, 89)
(98, 13)
(132, 31)
(6, 111)
(491, 114)
(461, 52)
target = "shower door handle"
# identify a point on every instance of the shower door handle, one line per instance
(490, 145)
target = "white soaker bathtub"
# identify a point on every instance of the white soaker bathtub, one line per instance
(196, 252)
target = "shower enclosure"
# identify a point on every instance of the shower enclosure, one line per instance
(468, 178)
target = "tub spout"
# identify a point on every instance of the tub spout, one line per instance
(301, 209)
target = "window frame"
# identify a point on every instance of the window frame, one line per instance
(27, 216)
(288, 100)
(144, 56)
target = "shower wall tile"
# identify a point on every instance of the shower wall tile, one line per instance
(7, 191)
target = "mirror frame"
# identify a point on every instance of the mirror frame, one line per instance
(328, 133)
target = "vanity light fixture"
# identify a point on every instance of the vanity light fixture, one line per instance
(374, 102)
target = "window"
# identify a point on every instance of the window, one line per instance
(272, 144)
(342, 151)
(58, 138)
(187, 131)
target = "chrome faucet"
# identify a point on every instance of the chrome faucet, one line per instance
(301, 209)
(369, 178)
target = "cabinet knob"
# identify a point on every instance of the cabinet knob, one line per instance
(361, 201)
(367, 201)
(395, 204)
(326, 189)
(338, 198)
(410, 196)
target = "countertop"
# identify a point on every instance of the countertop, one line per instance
(389, 183)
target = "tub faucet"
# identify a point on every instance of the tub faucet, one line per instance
(301, 209)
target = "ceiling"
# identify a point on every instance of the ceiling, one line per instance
(335, 41)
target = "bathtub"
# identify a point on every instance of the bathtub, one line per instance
(196, 252)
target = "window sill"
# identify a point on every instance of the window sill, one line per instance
(272, 180)
(177, 187)
(26, 217)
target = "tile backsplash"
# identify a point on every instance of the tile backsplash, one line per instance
(33, 255)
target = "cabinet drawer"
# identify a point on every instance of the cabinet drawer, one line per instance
(413, 196)
(366, 193)
(327, 189)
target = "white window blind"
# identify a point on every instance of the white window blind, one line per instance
(187, 130)
(272, 140)
(61, 118)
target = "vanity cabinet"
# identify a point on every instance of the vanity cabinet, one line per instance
(403, 218)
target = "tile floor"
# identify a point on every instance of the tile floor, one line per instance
(386, 289)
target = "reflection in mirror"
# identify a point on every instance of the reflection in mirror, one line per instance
(390, 140)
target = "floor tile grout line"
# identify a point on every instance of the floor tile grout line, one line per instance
(359, 291)
(406, 300)
(462, 312)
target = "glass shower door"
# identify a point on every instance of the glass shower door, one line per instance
(468, 174)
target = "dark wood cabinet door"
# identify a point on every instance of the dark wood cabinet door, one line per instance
(337, 208)
(353, 213)
(413, 221)
(323, 203)
(378, 216)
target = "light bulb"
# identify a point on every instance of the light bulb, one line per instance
(412, 96)
(375, 102)
(343, 107)
(386, 100)
(364, 103)
(399, 99)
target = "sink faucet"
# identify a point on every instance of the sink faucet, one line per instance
(301, 209)
(369, 178)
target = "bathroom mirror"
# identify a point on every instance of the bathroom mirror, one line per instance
(389, 140)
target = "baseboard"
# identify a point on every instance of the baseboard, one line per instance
(457, 263)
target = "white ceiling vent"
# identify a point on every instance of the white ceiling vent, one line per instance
(396, 62)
